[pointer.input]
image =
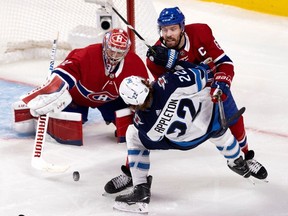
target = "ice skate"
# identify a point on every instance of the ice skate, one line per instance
(240, 166)
(257, 169)
(119, 183)
(136, 201)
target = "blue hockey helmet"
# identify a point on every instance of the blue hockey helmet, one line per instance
(171, 16)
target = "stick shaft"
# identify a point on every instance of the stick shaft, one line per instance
(132, 28)
(37, 158)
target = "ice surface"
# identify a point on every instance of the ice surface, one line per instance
(195, 182)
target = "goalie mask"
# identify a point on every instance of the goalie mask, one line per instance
(133, 91)
(116, 44)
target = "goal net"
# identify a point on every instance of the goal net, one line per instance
(28, 27)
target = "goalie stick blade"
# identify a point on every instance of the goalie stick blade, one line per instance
(140, 207)
(40, 164)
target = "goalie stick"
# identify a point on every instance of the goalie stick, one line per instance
(37, 158)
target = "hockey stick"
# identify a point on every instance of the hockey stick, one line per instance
(37, 158)
(224, 122)
(131, 28)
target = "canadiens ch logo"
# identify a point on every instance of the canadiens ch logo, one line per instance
(98, 97)
(101, 97)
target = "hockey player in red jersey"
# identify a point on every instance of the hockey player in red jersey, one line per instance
(195, 43)
(89, 77)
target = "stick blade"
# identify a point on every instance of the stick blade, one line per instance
(40, 164)
(235, 116)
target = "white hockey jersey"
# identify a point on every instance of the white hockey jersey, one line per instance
(181, 111)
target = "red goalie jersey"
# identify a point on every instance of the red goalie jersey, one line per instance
(89, 83)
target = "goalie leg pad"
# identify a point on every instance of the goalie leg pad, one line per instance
(66, 128)
(24, 122)
(124, 118)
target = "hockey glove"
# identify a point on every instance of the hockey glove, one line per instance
(163, 56)
(220, 86)
(52, 96)
(209, 65)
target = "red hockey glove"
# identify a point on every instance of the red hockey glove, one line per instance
(163, 56)
(222, 83)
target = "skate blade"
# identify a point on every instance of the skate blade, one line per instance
(140, 207)
(261, 180)
(253, 180)
(113, 195)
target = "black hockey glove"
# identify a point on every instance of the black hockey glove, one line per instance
(163, 56)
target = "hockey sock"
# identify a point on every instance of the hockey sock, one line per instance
(124, 118)
(239, 133)
(139, 165)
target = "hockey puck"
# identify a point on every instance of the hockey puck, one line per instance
(76, 176)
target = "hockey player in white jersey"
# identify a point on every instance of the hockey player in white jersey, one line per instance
(174, 112)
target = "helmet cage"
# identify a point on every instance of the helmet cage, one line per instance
(116, 44)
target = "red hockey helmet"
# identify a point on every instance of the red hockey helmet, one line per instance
(116, 44)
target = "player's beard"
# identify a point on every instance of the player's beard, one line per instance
(172, 43)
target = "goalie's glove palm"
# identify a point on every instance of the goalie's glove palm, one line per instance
(163, 56)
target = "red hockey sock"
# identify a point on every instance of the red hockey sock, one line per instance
(238, 131)
(127, 162)
(124, 118)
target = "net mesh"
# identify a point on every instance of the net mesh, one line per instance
(28, 27)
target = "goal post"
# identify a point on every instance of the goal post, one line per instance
(131, 19)
(28, 27)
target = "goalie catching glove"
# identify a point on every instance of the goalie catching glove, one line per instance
(163, 56)
(52, 96)
(220, 86)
